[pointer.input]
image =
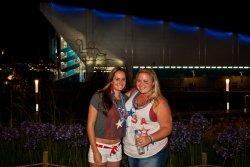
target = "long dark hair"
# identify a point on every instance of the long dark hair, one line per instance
(106, 90)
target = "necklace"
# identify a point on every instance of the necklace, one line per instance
(137, 104)
(120, 107)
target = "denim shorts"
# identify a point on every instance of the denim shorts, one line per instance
(109, 152)
(157, 160)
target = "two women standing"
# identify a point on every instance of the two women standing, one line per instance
(146, 111)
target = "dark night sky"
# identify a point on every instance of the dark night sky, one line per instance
(24, 33)
(24, 30)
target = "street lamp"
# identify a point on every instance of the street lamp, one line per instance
(37, 100)
(10, 78)
(227, 84)
(2, 53)
(227, 90)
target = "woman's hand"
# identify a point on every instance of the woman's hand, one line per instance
(143, 141)
(97, 158)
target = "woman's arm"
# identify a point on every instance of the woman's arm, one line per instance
(130, 92)
(164, 117)
(92, 114)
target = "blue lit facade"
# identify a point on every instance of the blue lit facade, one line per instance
(134, 41)
(71, 67)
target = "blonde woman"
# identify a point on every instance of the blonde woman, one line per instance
(150, 115)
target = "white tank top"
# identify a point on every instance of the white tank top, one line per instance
(139, 119)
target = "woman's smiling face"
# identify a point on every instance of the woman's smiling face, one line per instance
(119, 81)
(144, 83)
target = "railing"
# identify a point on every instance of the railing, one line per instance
(205, 166)
(204, 161)
(45, 162)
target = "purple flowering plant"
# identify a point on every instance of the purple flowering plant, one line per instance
(225, 145)
(66, 144)
(233, 145)
(186, 140)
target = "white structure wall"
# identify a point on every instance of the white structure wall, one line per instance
(125, 41)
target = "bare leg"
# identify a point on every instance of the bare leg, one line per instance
(98, 165)
(114, 164)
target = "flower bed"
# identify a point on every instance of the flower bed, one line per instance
(226, 144)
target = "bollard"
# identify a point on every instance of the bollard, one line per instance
(45, 158)
(204, 158)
